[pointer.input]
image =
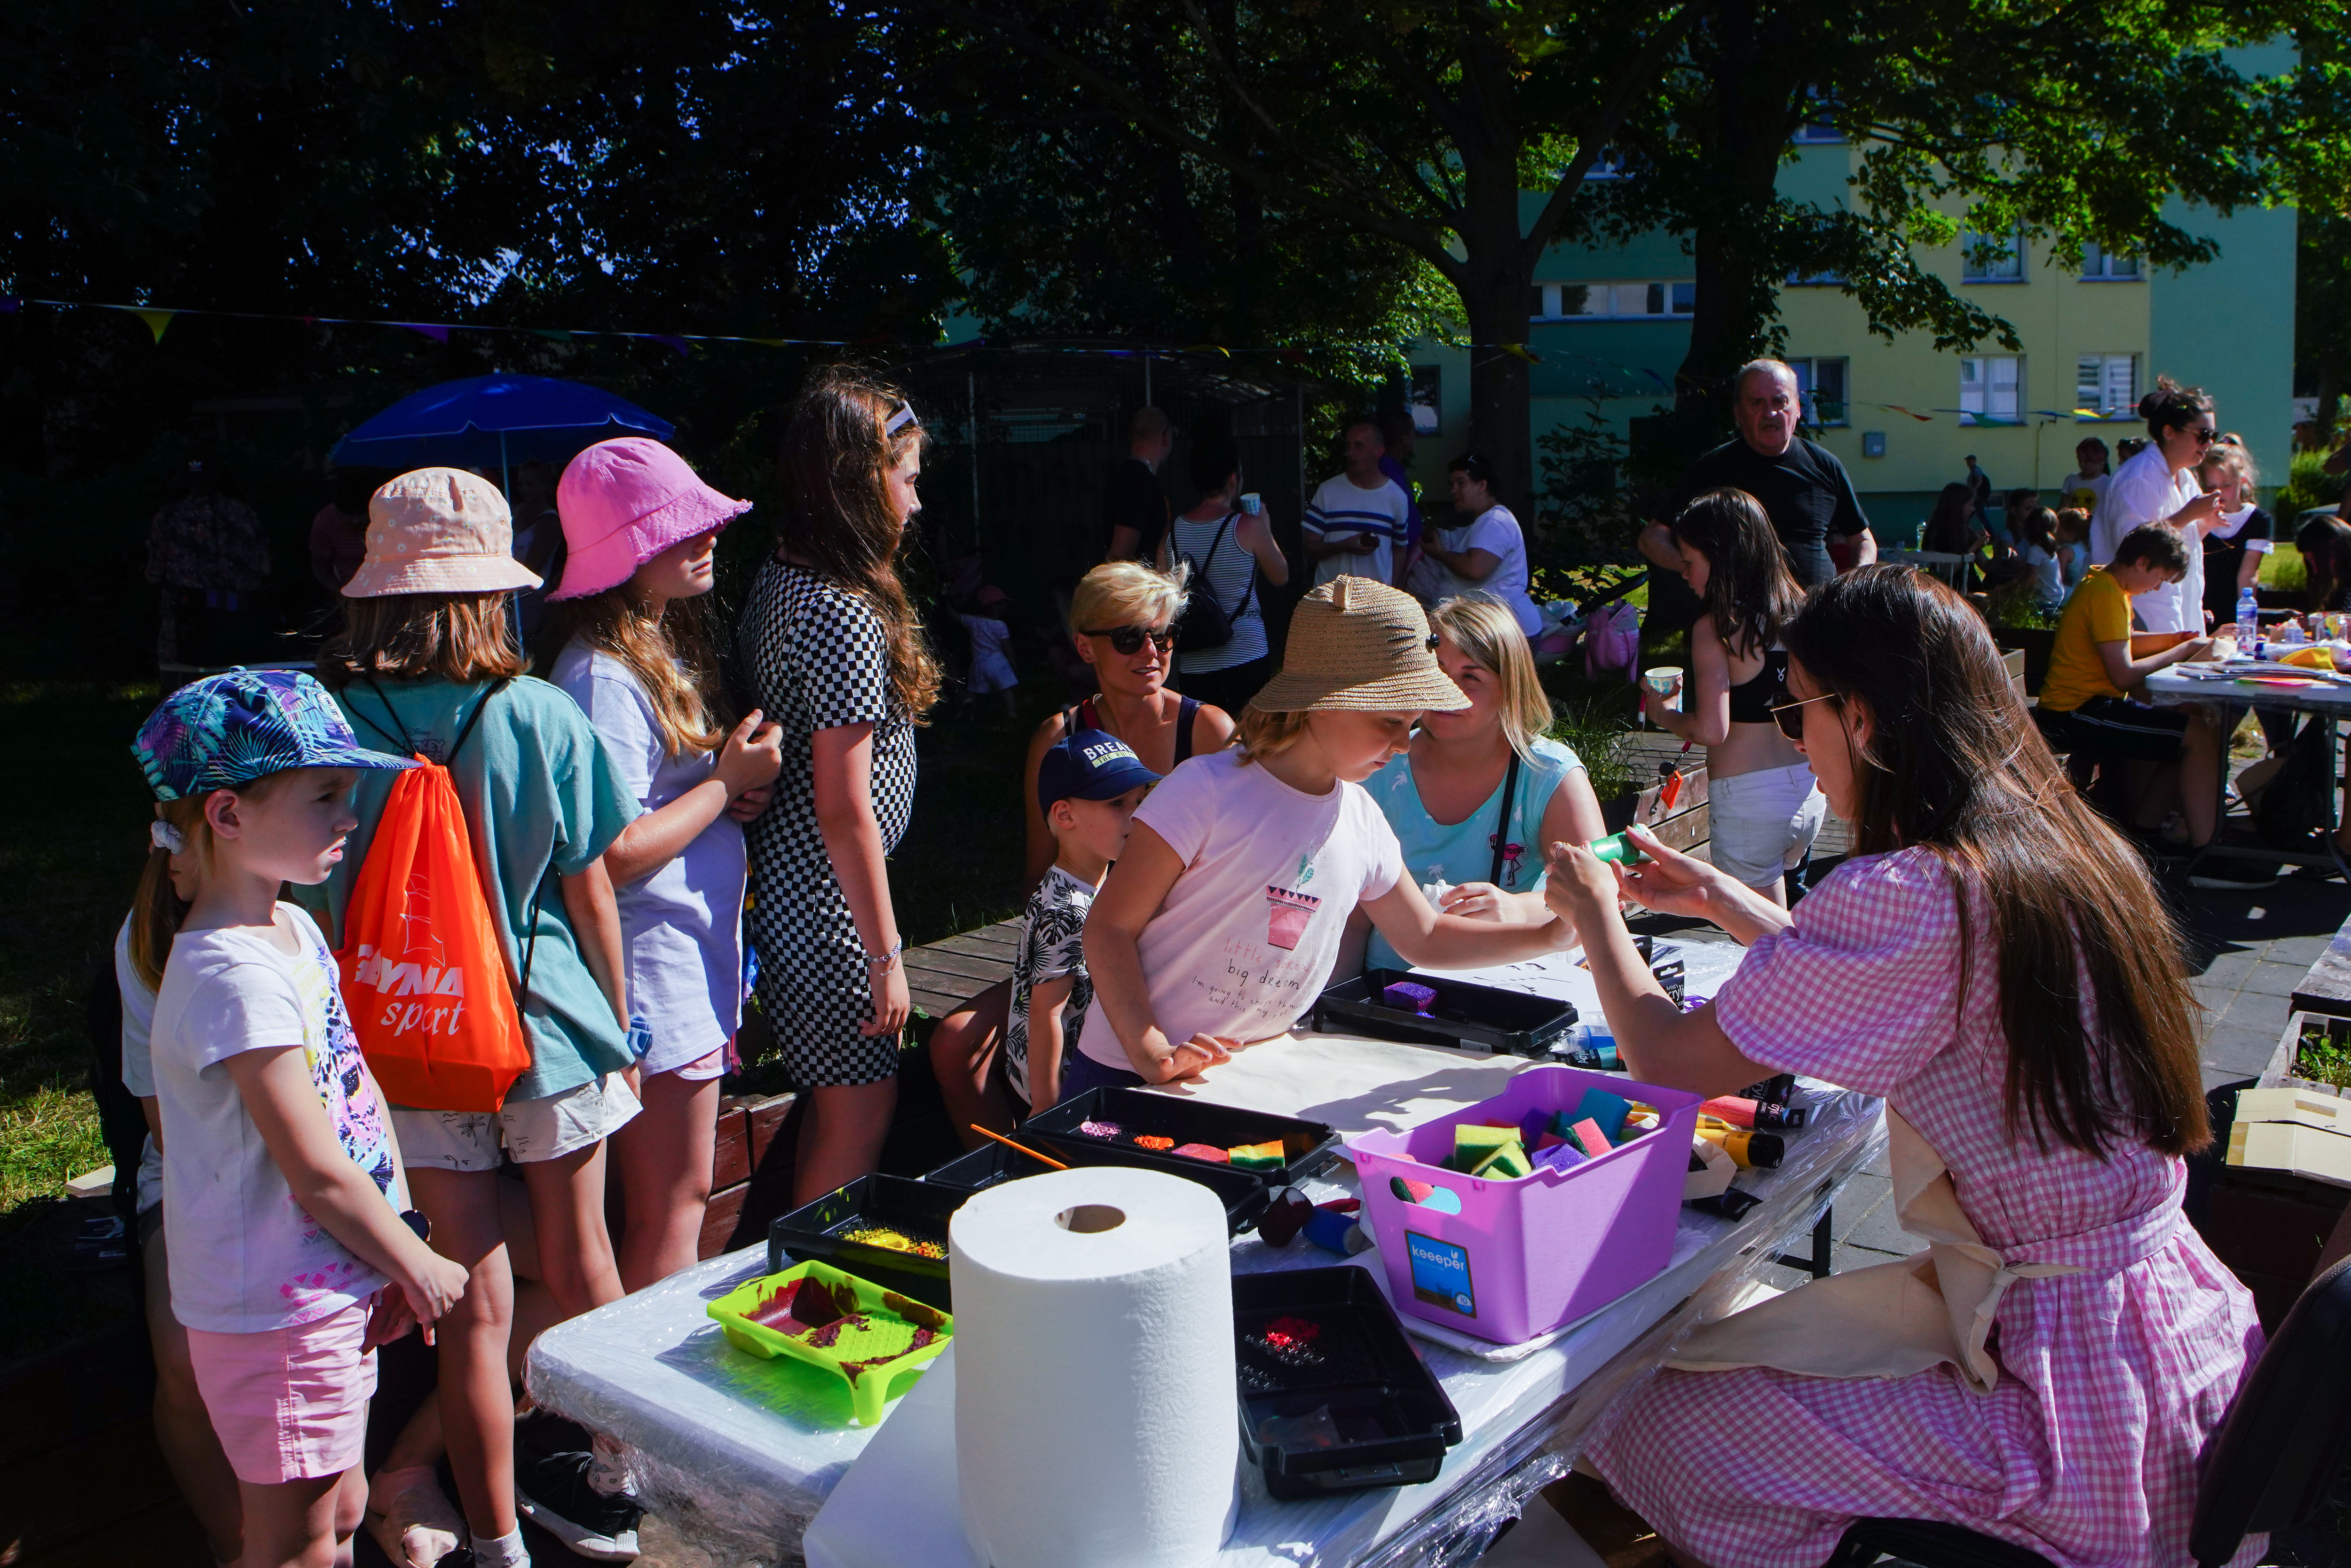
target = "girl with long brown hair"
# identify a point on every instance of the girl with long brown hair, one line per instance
(628, 630)
(834, 653)
(1994, 962)
(1766, 810)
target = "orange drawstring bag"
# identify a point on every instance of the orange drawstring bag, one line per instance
(424, 975)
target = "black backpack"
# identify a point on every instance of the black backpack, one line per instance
(1204, 624)
(2292, 806)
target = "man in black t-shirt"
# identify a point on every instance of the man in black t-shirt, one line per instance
(1802, 487)
(1134, 508)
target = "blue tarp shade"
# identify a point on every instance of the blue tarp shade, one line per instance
(493, 422)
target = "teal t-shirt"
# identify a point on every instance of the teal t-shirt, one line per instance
(542, 800)
(1465, 851)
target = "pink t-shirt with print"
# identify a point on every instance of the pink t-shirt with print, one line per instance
(1246, 938)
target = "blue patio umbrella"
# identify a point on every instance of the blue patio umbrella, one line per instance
(498, 420)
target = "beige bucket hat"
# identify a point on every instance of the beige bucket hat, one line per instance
(1361, 646)
(438, 530)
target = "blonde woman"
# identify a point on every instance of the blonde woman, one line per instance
(2234, 549)
(1481, 791)
(1123, 620)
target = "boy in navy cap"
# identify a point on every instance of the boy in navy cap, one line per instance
(1089, 785)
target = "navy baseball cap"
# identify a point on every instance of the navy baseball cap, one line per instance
(1090, 765)
(230, 729)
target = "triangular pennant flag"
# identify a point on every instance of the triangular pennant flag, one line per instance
(769, 342)
(437, 333)
(668, 340)
(1208, 349)
(1520, 351)
(552, 334)
(156, 320)
(1655, 377)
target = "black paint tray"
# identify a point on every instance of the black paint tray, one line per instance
(1356, 1409)
(1242, 1193)
(814, 1233)
(1308, 1146)
(1465, 1016)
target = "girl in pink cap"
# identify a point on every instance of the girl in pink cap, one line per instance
(835, 652)
(628, 630)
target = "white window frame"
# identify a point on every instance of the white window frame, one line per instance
(1981, 392)
(1818, 134)
(2101, 266)
(1631, 300)
(1808, 372)
(2115, 397)
(1969, 239)
(1425, 399)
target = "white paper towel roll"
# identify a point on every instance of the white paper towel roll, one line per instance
(1096, 1420)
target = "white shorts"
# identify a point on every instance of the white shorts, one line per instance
(1762, 824)
(530, 1130)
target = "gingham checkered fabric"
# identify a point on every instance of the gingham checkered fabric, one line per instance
(816, 657)
(2111, 1380)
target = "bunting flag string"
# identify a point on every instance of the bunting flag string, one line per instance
(158, 319)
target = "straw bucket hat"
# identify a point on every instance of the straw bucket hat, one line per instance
(1361, 646)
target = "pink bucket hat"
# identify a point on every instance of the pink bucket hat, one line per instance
(438, 530)
(624, 502)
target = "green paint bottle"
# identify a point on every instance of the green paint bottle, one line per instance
(1618, 848)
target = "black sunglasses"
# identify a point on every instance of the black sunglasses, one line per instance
(1129, 640)
(1789, 714)
(2205, 435)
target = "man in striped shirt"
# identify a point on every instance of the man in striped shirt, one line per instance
(1358, 523)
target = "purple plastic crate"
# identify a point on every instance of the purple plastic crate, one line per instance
(1530, 1253)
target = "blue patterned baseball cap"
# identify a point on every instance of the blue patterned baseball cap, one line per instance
(233, 728)
(1089, 765)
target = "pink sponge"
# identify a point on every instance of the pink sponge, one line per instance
(1587, 1133)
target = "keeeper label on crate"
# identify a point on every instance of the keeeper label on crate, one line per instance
(1440, 1274)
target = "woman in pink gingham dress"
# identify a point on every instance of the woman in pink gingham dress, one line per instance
(2106, 1379)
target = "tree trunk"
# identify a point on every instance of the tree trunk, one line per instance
(1494, 301)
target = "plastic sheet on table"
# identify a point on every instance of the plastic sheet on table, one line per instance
(1460, 1527)
(732, 1425)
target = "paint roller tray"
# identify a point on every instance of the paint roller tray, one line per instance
(1242, 1193)
(1333, 1396)
(1306, 1146)
(870, 1337)
(1464, 1016)
(853, 1227)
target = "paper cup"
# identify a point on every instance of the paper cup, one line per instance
(1252, 503)
(1664, 679)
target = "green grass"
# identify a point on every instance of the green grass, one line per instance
(70, 858)
(2283, 568)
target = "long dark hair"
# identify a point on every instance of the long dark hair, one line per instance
(1950, 526)
(836, 451)
(1750, 591)
(1955, 766)
(2326, 546)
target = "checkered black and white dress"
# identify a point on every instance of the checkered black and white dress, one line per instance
(816, 657)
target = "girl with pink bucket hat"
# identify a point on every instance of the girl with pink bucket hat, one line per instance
(427, 666)
(629, 635)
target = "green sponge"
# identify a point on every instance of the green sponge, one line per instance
(1265, 1157)
(1509, 1160)
(1473, 1145)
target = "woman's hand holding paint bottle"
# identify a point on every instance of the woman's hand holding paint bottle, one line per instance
(1670, 883)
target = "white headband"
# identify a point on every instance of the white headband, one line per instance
(167, 838)
(900, 420)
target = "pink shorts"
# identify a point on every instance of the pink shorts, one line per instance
(289, 1404)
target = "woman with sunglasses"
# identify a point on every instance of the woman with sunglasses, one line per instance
(1123, 620)
(1227, 547)
(1995, 962)
(2158, 484)
(1765, 809)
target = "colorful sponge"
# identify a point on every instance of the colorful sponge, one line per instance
(1509, 1160)
(1587, 1133)
(1559, 1156)
(1203, 1151)
(1410, 996)
(1265, 1157)
(1471, 1146)
(1607, 1110)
